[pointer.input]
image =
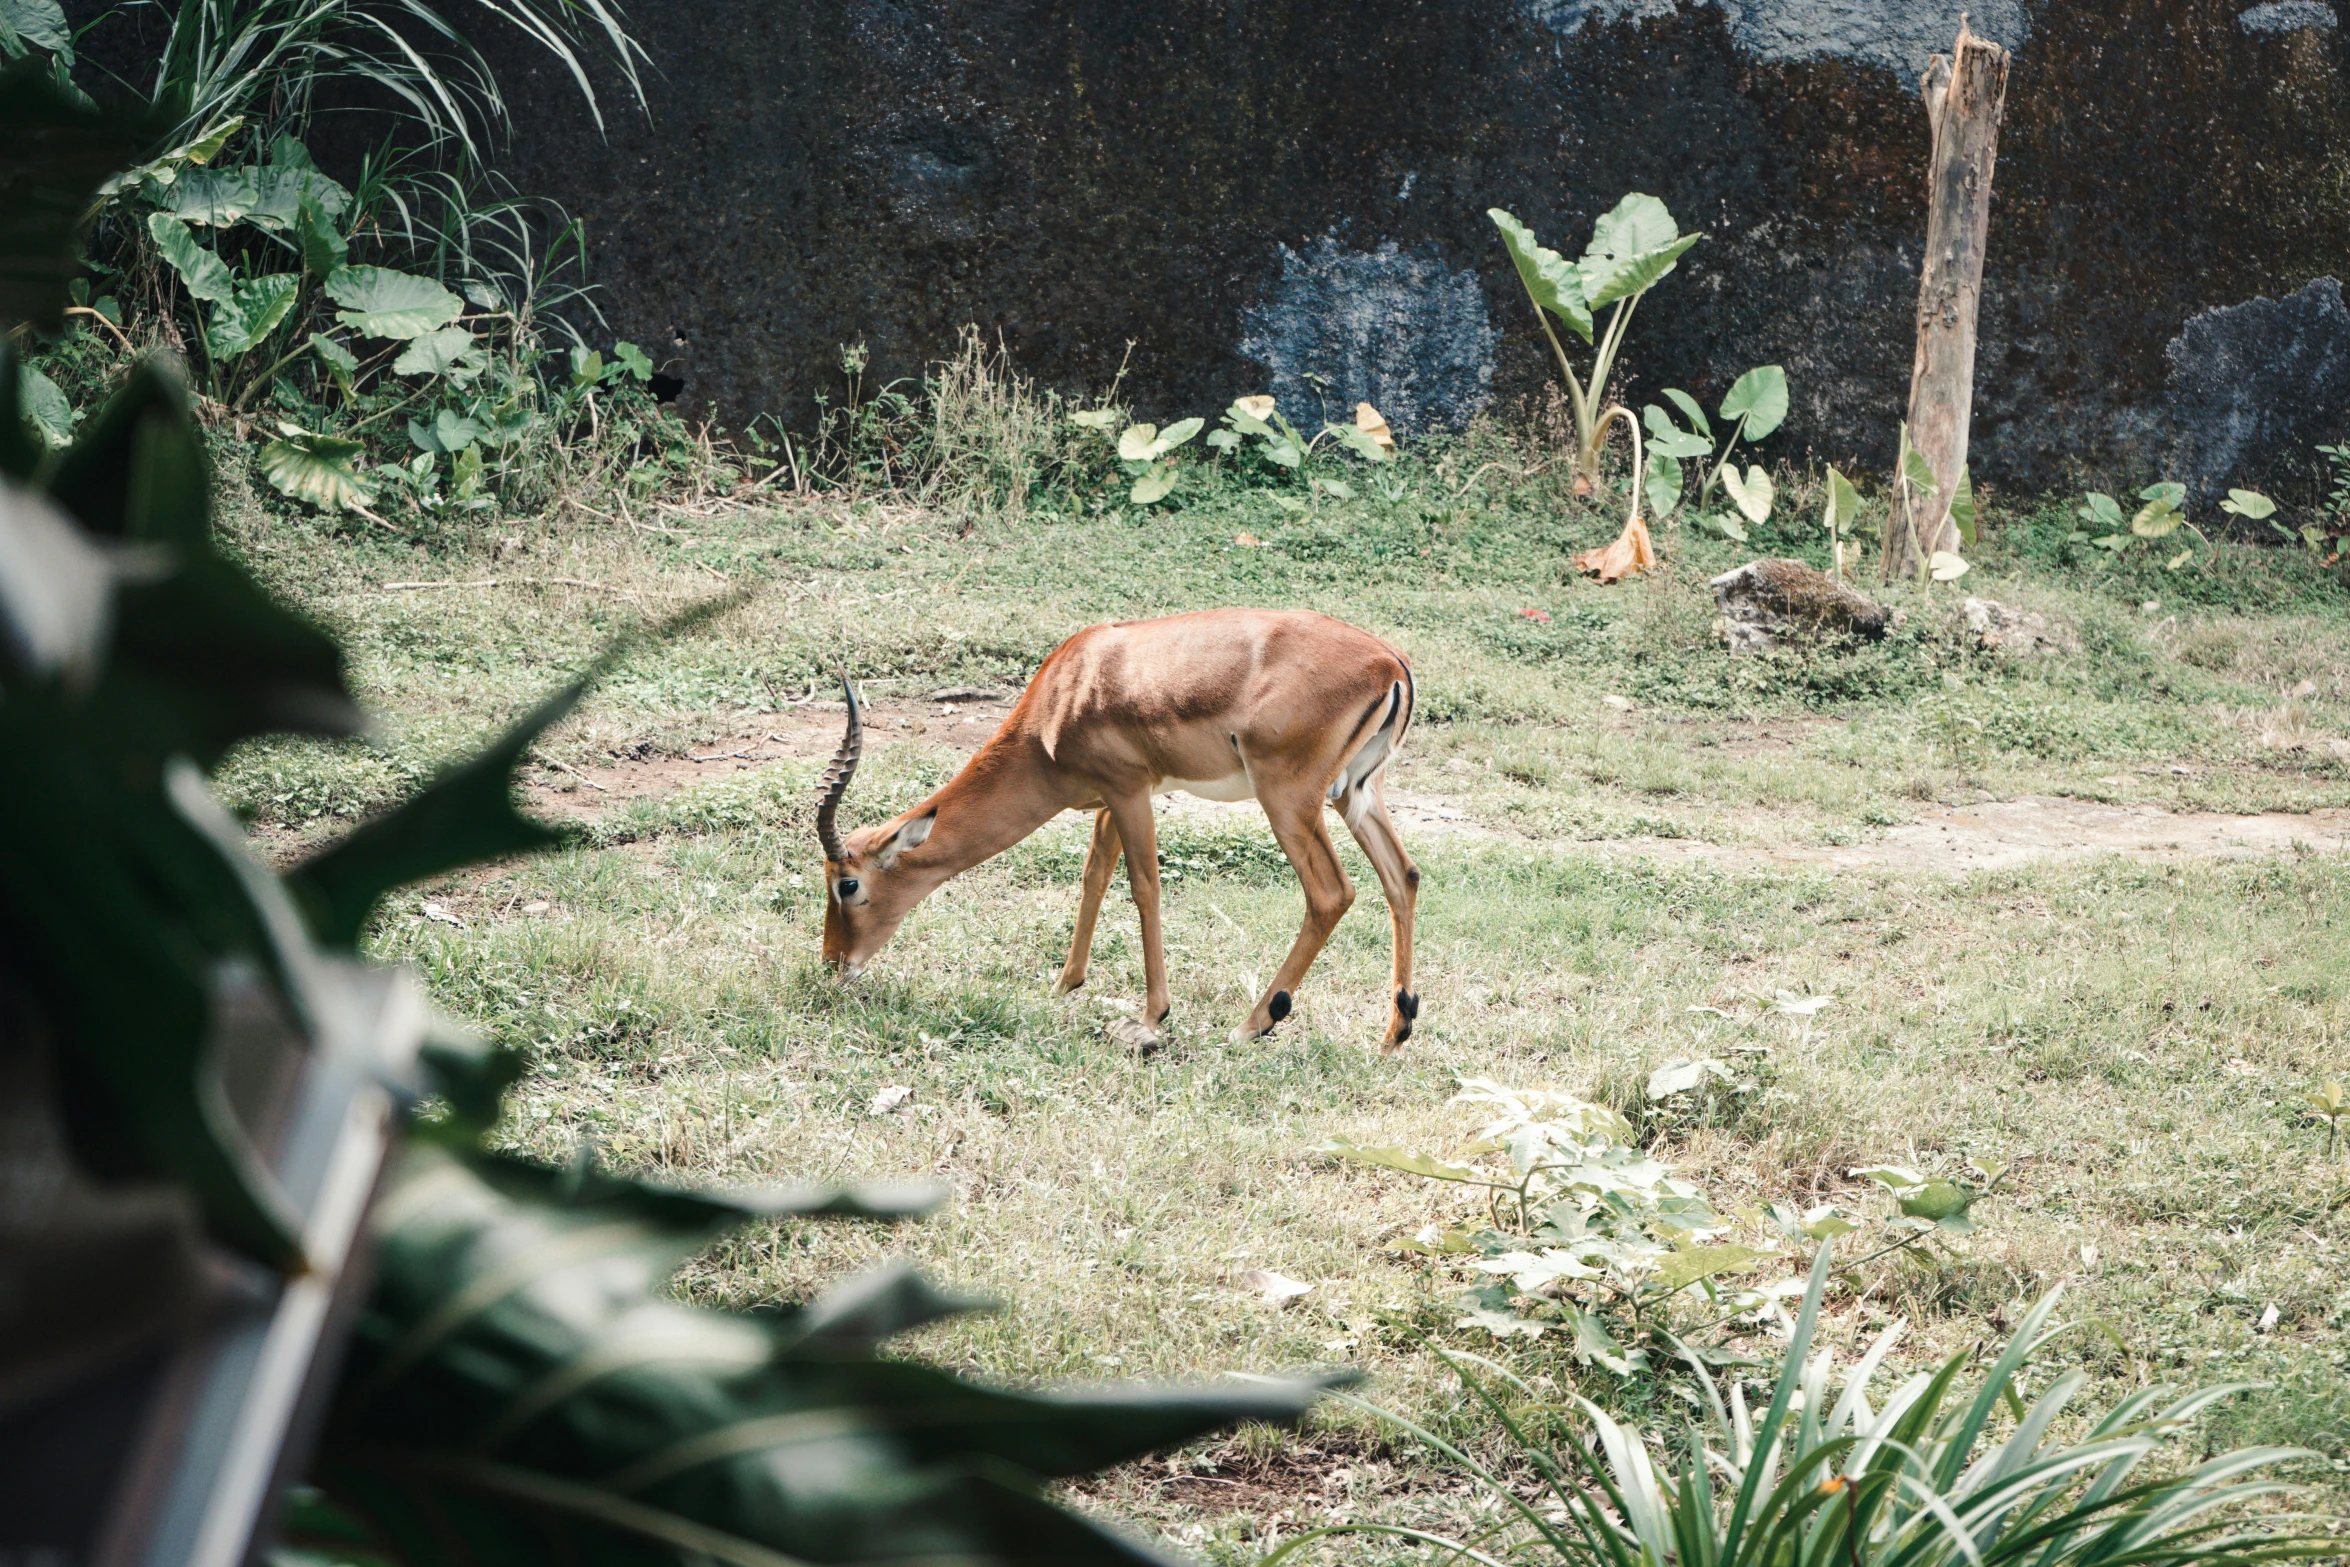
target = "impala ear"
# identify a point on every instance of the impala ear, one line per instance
(912, 835)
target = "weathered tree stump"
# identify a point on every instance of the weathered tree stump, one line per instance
(1965, 93)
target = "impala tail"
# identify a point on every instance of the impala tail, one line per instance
(1352, 791)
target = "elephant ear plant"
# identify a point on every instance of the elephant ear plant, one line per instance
(1633, 246)
(1755, 406)
(204, 1089)
(1924, 1474)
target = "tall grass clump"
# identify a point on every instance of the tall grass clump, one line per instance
(996, 441)
(975, 438)
(265, 62)
(1825, 1479)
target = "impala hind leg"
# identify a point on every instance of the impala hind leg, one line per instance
(1130, 817)
(1101, 859)
(1296, 815)
(1399, 879)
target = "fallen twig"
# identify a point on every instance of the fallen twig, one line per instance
(100, 318)
(566, 767)
(378, 521)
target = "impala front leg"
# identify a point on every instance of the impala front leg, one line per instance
(1101, 858)
(1131, 816)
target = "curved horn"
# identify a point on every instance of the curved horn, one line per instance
(836, 778)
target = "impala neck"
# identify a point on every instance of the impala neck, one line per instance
(993, 803)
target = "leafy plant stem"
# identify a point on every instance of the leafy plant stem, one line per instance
(1721, 460)
(266, 376)
(1574, 386)
(405, 402)
(1602, 365)
(85, 310)
(1631, 484)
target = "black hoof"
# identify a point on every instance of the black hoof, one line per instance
(1407, 1004)
(1401, 1037)
(1278, 1007)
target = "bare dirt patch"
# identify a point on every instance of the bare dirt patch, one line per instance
(1308, 1479)
(1956, 839)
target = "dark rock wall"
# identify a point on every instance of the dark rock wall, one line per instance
(1252, 189)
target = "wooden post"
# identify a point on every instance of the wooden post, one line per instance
(1965, 92)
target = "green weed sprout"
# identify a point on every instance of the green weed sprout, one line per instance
(2329, 1105)
(1755, 406)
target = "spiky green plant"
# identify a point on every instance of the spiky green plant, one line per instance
(230, 62)
(1825, 1479)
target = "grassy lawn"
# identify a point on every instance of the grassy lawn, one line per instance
(2133, 1035)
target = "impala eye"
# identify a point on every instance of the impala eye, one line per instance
(848, 888)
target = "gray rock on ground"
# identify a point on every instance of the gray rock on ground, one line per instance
(1765, 602)
(2024, 633)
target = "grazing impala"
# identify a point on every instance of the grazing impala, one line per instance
(1292, 709)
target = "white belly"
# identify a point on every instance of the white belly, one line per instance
(1234, 787)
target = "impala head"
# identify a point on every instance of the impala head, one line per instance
(866, 895)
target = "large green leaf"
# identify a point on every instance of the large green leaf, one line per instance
(196, 151)
(306, 465)
(1688, 406)
(1154, 485)
(1632, 278)
(1357, 440)
(116, 910)
(520, 1381)
(1963, 509)
(383, 303)
(267, 197)
(281, 192)
(1663, 482)
(1760, 398)
(448, 433)
(204, 275)
(449, 351)
(55, 151)
(1633, 245)
(45, 406)
(1842, 507)
(35, 24)
(1552, 281)
(324, 249)
(246, 321)
(1669, 438)
(209, 198)
(1634, 226)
